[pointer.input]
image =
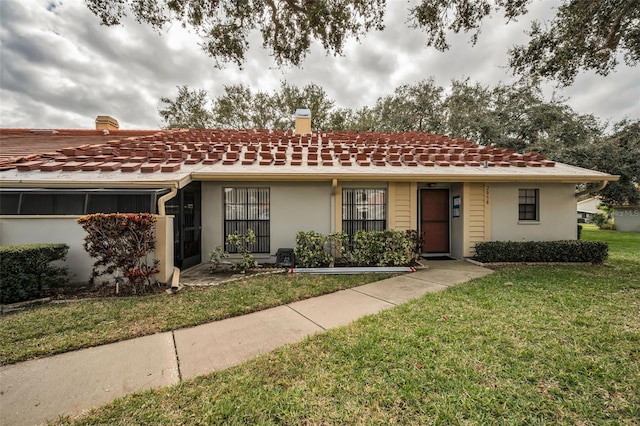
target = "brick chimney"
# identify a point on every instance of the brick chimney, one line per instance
(105, 122)
(303, 121)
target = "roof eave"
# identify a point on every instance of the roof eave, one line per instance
(177, 183)
(205, 176)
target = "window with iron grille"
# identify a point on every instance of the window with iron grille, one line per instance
(528, 204)
(363, 209)
(244, 209)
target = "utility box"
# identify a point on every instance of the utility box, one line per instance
(285, 258)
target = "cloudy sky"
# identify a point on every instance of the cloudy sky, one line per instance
(60, 68)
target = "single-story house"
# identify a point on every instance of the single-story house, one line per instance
(208, 183)
(588, 208)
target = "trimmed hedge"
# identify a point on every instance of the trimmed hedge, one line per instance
(542, 251)
(310, 250)
(26, 272)
(382, 248)
(369, 248)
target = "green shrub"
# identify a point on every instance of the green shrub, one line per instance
(541, 251)
(310, 250)
(26, 272)
(243, 244)
(600, 220)
(417, 241)
(579, 231)
(122, 244)
(315, 250)
(382, 248)
(337, 245)
(215, 258)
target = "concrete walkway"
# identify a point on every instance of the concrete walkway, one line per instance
(33, 391)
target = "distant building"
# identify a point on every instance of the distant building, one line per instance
(588, 208)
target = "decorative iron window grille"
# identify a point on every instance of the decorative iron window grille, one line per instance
(528, 204)
(363, 209)
(245, 209)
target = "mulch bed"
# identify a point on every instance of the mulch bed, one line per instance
(86, 291)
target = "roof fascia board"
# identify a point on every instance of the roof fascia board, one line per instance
(401, 177)
(88, 184)
(184, 181)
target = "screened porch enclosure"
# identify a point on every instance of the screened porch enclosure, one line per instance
(185, 208)
(81, 201)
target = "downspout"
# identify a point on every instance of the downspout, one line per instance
(334, 186)
(166, 197)
(590, 190)
(175, 276)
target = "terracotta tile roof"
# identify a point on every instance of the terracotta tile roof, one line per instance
(168, 150)
(23, 145)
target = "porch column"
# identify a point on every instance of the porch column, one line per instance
(337, 207)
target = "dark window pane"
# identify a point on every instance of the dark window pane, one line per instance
(37, 204)
(9, 203)
(119, 203)
(45, 204)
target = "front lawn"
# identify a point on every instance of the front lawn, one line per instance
(526, 345)
(625, 246)
(53, 329)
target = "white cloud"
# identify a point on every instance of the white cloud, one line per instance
(61, 68)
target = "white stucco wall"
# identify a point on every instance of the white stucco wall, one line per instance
(15, 230)
(303, 206)
(557, 213)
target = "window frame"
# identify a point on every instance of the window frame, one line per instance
(247, 214)
(529, 205)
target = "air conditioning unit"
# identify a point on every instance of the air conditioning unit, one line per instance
(285, 258)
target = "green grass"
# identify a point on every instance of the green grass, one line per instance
(558, 345)
(54, 329)
(624, 245)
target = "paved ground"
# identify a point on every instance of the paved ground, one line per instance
(34, 391)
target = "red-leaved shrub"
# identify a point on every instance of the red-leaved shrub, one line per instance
(122, 243)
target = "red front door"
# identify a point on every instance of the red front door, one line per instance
(434, 220)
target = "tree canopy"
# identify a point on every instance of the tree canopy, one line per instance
(287, 26)
(188, 110)
(583, 35)
(619, 154)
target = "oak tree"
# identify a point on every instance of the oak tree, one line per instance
(582, 35)
(188, 110)
(287, 26)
